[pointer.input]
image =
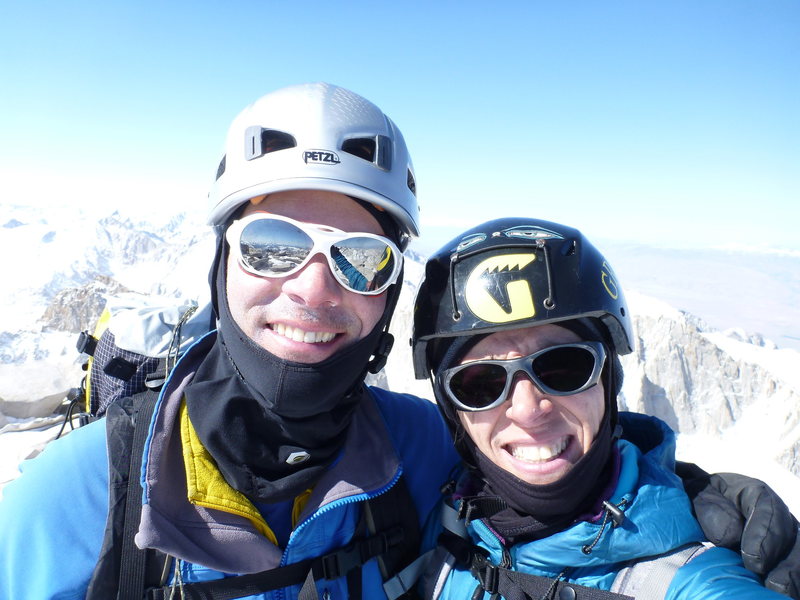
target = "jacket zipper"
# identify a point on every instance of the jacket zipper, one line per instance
(280, 594)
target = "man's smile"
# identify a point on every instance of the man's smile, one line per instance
(298, 335)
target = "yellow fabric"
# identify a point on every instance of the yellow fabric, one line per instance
(206, 486)
(99, 328)
(299, 504)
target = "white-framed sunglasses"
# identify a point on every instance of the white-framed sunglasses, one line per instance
(270, 245)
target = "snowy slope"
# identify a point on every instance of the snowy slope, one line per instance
(58, 268)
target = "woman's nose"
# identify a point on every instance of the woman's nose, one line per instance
(527, 403)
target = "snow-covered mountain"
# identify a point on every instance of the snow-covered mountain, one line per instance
(721, 390)
(59, 266)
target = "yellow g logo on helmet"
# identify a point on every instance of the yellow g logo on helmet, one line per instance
(497, 290)
(609, 283)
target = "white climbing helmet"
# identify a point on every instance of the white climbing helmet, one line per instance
(316, 136)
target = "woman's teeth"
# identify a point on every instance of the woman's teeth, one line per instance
(298, 335)
(537, 454)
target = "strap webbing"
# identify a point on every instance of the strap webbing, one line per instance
(651, 577)
(331, 566)
(133, 560)
(405, 580)
(644, 579)
(513, 585)
(393, 511)
(647, 578)
(242, 585)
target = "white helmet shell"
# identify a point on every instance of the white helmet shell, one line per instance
(316, 136)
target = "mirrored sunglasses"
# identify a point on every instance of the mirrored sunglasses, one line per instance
(270, 245)
(558, 371)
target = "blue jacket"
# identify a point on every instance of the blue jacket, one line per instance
(52, 518)
(657, 519)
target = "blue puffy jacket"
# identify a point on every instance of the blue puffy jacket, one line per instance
(53, 517)
(657, 519)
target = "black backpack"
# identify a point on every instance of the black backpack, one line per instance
(153, 334)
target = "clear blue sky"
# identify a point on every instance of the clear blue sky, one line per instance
(672, 122)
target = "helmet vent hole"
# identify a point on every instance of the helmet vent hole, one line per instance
(412, 185)
(272, 141)
(363, 148)
(260, 141)
(622, 310)
(221, 167)
(569, 248)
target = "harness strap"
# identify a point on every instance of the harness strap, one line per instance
(513, 585)
(241, 585)
(331, 566)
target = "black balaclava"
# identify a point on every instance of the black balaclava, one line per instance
(273, 425)
(535, 511)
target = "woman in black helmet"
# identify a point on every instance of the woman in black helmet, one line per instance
(519, 323)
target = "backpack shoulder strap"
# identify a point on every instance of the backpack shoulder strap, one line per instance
(127, 423)
(133, 566)
(393, 511)
(650, 578)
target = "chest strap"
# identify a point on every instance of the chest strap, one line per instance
(648, 578)
(331, 566)
(501, 582)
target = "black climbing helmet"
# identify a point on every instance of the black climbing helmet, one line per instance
(512, 273)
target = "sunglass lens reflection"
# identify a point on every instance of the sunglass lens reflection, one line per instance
(564, 369)
(362, 264)
(274, 246)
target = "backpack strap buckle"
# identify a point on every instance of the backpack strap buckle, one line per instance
(339, 563)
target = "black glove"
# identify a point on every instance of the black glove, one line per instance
(746, 515)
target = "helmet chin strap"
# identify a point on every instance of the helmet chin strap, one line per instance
(381, 354)
(386, 340)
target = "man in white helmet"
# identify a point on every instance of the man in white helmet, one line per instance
(267, 468)
(265, 452)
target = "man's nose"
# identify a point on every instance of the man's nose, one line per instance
(527, 403)
(314, 285)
